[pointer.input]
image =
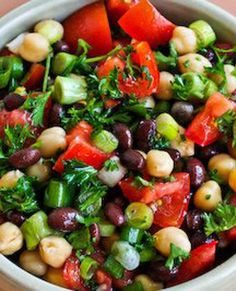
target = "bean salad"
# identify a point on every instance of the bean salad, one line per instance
(118, 149)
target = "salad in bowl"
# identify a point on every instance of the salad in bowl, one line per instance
(118, 149)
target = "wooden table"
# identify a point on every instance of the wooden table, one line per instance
(6, 5)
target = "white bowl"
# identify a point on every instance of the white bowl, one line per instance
(223, 277)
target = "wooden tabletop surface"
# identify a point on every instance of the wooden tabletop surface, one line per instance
(6, 5)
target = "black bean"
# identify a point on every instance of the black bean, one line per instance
(124, 135)
(133, 160)
(158, 271)
(114, 213)
(197, 172)
(25, 158)
(183, 112)
(13, 101)
(16, 217)
(145, 131)
(210, 55)
(198, 238)
(2, 218)
(207, 152)
(124, 281)
(194, 219)
(55, 115)
(61, 46)
(95, 233)
(63, 219)
(174, 154)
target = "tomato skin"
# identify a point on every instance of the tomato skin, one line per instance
(91, 24)
(117, 8)
(144, 23)
(82, 129)
(103, 278)
(34, 78)
(201, 260)
(13, 118)
(110, 64)
(202, 129)
(71, 274)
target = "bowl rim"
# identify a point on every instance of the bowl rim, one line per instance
(14, 274)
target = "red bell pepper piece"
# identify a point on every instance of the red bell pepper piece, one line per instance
(203, 130)
(71, 274)
(91, 24)
(144, 23)
(34, 78)
(117, 8)
(110, 64)
(201, 260)
(80, 148)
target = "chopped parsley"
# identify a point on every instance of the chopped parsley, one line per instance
(213, 174)
(140, 182)
(159, 143)
(221, 219)
(176, 257)
(111, 165)
(169, 61)
(226, 121)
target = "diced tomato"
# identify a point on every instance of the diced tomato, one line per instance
(5, 52)
(103, 278)
(148, 83)
(203, 130)
(201, 260)
(144, 23)
(111, 103)
(13, 118)
(71, 274)
(91, 24)
(34, 78)
(143, 57)
(117, 8)
(171, 198)
(83, 130)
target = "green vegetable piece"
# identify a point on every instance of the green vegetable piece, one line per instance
(131, 235)
(35, 228)
(69, 90)
(139, 215)
(167, 126)
(204, 32)
(136, 286)
(147, 255)
(210, 88)
(87, 268)
(80, 239)
(105, 141)
(57, 194)
(63, 63)
(106, 228)
(113, 267)
(221, 219)
(189, 86)
(5, 73)
(176, 257)
(126, 255)
(162, 107)
(16, 65)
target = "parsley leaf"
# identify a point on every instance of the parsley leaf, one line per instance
(176, 257)
(221, 219)
(140, 182)
(21, 197)
(16, 136)
(213, 174)
(37, 106)
(169, 61)
(111, 165)
(109, 85)
(226, 121)
(159, 143)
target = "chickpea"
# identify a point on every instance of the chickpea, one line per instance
(164, 237)
(208, 196)
(165, 91)
(34, 48)
(193, 63)
(148, 102)
(11, 238)
(148, 284)
(52, 30)
(32, 263)
(185, 40)
(184, 145)
(159, 163)
(40, 170)
(232, 179)
(55, 276)
(54, 251)
(52, 140)
(223, 164)
(10, 179)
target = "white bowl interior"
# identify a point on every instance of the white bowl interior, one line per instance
(180, 11)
